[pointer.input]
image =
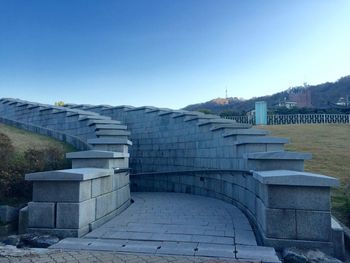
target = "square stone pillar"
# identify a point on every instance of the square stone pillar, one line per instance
(294, 209)
(72, 202)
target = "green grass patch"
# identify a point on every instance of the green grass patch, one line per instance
(330, 147)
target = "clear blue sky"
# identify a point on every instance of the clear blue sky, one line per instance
(168, 53)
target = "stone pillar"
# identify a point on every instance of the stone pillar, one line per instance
(294, 209)
(72, 202)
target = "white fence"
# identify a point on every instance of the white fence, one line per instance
(281, 119)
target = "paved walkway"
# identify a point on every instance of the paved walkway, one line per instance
(176, 224)
(55, 256)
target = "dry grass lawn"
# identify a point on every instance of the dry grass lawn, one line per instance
(23, 140)
(330, 147)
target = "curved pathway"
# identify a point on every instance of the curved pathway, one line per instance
(176, 224)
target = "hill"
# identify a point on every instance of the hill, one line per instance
(322, 96)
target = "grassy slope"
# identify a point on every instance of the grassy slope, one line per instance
(23, 140)
(330, 146)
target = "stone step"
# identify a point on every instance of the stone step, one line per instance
(79, 174)
(187, 114)
(262, 140)
(97, 117)
(142, 108)
(96, 154)
(278, 156)
(113, 133)
(111, 144)
(156, 110)
(105, 121)
(98, 107)
(215, 121)
(99, 159)
(201, 117)
(113, 141)
(275, 160)
(230, 126)
(110, 127)
(252, 132)
(294, 178)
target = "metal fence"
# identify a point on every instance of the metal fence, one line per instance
(296, 119)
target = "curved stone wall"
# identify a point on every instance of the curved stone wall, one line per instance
(190, 152)
(169, 140)
(73, 126)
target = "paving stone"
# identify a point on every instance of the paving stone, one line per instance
(265, 254)
(215, 250)
(177, 248)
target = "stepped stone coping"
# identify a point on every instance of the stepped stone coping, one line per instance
(96, 154)
(98, 106)
(110, 127)
(201, 117)
(75, 106)
(278, 155)
(165, 112)
(294, 178)
(113, 133)
(125, 107)
(93, 117)
(156, 109)
(142, 108)
(110, 141)
(235, 132)
(188, 113)
(231, 125)
(96, 122)
(22, 104)
(258, 140)
(33, 106)
(215, 121)
(77, 174)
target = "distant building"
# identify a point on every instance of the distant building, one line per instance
(287, 104)
(342, 102)
(301, 96)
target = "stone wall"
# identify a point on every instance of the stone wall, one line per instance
(286, 208)
(73, 202)
(70, 125)
(169, 140)
(191, 152)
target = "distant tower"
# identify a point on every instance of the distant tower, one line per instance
(226, 93)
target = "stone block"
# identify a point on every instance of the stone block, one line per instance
(287, 177)
(23, 220)
(79, 174)
(61, 191)
(101, 163)
(104, 204)
(313, 225)
(280, 223)
(61, 233)
(298, 197)
(266, 165)
(75, 215)
(338, 240)
(41, 215)
(101, 185)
